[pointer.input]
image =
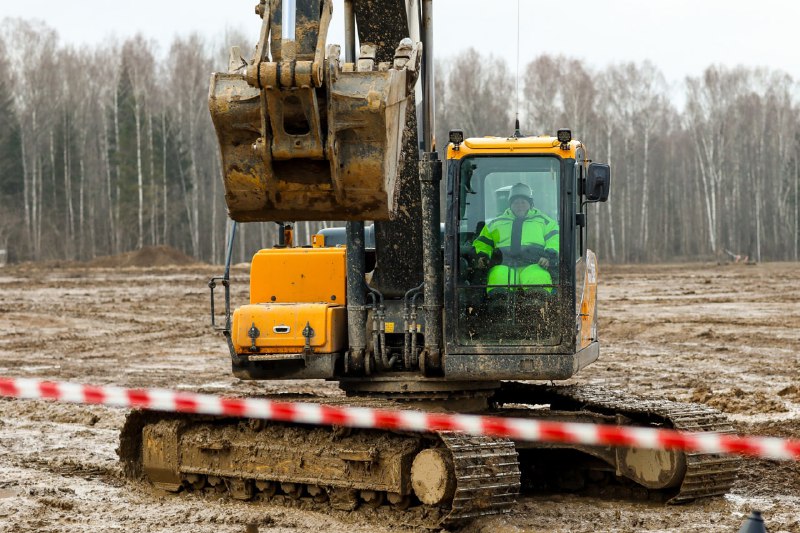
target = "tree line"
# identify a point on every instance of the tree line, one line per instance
(108, 149)
(713, 178)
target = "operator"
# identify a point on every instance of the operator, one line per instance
(527, 239)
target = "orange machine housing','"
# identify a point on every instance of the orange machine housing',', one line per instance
(292, 289)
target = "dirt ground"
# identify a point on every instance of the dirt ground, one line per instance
(724, 335)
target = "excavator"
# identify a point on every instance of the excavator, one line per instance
(409, 317)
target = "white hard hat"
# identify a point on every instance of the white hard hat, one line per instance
(520, 190)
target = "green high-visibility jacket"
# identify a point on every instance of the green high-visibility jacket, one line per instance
(523, 240)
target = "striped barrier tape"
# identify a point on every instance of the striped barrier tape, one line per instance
(362, 417)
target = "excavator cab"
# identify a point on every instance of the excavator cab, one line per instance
(514, 289)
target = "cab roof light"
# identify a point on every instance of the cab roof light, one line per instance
(456, 137)
(564, 136)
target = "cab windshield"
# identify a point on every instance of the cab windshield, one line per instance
(507, 273)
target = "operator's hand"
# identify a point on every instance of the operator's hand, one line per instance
(544, 262)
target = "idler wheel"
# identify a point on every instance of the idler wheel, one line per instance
(433, 476)
(653, 469)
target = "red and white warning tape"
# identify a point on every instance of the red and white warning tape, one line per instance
(362, 417)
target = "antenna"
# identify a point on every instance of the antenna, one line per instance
(516, 95)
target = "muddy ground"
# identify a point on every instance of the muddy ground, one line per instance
(724, 335)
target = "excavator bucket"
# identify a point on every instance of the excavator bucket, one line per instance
(305, 137)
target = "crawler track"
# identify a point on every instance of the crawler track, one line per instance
(707, 475)
(337, 468)
(487, 476)
(319, 468)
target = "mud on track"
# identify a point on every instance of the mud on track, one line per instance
(723, 335)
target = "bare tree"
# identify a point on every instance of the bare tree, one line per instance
(11, 162)
(189, 68)
(138, 58)
(638, 102)
(35, 88)
(708, 101)
(108, 149)
(480, 95)
(542, 95)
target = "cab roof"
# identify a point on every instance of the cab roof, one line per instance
(544, 144)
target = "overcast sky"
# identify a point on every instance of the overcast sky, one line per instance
(681, 37)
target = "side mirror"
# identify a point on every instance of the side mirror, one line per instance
(598, 182)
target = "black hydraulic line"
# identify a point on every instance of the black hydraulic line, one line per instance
(414, 329)
(407, 324)
(414, 301)
(412, 292)
(378, 294)
(368, 367)
(229, 254)
(388, 362)
(379, 330)
(225, 279)
(376, 341)
(227, 284)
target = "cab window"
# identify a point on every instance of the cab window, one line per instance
(508, 267)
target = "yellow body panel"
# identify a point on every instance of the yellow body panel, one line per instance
(307, 275)
(280, 327)
(589, 301)
(511, 145)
